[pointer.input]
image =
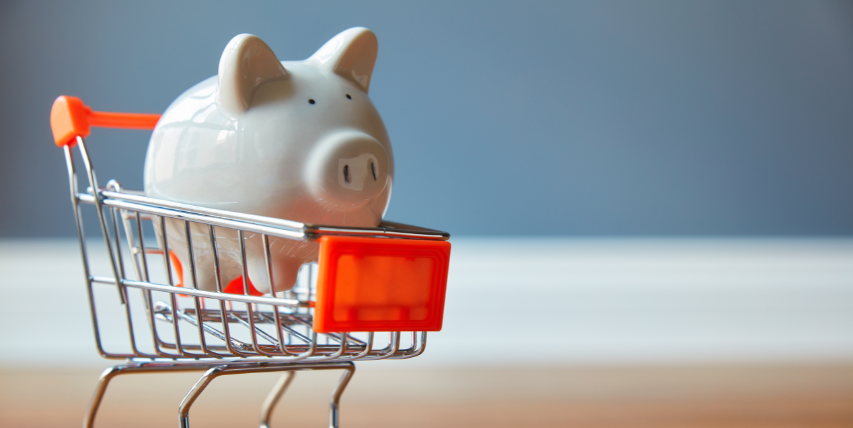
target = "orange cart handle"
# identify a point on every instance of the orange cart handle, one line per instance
(70, 118)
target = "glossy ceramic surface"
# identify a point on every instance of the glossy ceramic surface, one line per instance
(298, 140)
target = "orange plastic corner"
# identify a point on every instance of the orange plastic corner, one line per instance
(379, 284)
(69, 118)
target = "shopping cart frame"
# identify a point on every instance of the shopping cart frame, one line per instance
(216, 351)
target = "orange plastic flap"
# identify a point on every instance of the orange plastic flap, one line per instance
(380, 284)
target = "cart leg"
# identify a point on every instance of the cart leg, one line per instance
(274, 396)
(103, 382)
(197, 389)
(334, 403)
(278, 390)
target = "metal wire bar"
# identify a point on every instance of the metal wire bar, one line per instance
(195, 284)
(93, 182)
(223, 305)
(265, 241)
(167, 261)
(256, 224)
(157, 342)
(128, 317)
(202, 293)
(244, 269)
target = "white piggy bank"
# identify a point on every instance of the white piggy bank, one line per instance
(298, 140)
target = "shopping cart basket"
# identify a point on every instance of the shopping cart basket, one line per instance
(373, 294)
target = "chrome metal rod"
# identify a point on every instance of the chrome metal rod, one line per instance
(200, 218)
(334, 403)
(98, 396)
(197, 389)
(253, 223)
(204, 210)
(201, 293)
(274, 396)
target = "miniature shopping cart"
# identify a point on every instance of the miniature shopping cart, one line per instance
(337, 313)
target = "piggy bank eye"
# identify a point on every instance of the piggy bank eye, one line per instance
(349, 97)
(311, 101)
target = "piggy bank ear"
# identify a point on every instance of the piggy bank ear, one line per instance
(351, 54)
(246, 63)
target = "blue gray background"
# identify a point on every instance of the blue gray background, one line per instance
(543, 118)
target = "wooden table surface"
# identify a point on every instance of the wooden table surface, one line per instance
(390, 395)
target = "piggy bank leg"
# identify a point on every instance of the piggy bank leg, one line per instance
(286, 257)
(203, 254)
(205, 278)
(227, 254)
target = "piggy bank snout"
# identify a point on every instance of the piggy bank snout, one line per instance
(347, 168)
